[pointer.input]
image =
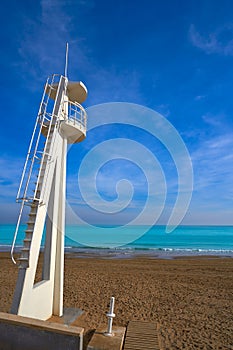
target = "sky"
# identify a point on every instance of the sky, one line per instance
(171, 57)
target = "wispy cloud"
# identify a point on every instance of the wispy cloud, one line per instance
(11, 169)
(40, 46)
(199, 97)
(212, 158)
(112, 84)
(163, 109)
(214, 120)
(219, 41)
(42, 49)
(9, 181)
(213, 169)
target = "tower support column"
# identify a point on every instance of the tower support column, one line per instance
(59, 259)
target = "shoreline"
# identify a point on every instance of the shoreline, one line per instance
(129, 253)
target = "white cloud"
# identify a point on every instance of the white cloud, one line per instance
(213, 168)
(199, 97)
(212, 157)
(42, 50)
(41, 45)
(163, 109)
(219, 41)
(11, 169)
(214, 120)
(10, 174)
(114, 85)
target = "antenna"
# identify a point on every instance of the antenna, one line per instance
(66, 62)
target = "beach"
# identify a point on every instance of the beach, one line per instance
(190, 299)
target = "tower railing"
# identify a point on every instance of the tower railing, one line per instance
(77, 115)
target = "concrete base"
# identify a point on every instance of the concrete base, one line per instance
(100, 341)
(23, 333)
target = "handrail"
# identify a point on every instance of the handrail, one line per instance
(31, 155)
(39, 121)
(29, 174)
(34, 154)
(30, 145)
(16, 233)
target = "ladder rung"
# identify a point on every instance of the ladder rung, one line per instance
(25, 249)
(34, 205)
(37, 157)
(23, 259)
(28, 204)
(21, 199)
(43, 152)
(27, 240)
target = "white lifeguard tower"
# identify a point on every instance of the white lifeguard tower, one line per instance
(61, 120)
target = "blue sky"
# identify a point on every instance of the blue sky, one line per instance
(174, 57)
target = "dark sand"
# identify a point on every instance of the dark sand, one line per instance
(190, 299)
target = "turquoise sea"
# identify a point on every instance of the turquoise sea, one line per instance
(118, 241)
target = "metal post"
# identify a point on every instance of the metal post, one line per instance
(110, 316)
(66, 61)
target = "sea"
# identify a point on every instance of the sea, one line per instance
(126, 242)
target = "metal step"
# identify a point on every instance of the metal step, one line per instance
(24, 255)
(28, 231)
(27, 240)
(39, 183)
(23, 262)
(25, 249)
(30, 222)
(23, 259)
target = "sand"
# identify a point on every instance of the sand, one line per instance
(190, 299)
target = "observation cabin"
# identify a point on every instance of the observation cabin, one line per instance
(73, 117)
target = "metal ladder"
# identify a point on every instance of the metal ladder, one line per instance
(37, 160)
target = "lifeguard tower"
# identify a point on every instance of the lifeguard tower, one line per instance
(61, 120)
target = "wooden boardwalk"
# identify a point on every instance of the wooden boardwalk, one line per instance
(141, 336)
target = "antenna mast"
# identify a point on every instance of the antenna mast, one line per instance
(66, 62)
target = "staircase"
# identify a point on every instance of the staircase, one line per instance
(39, 157)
